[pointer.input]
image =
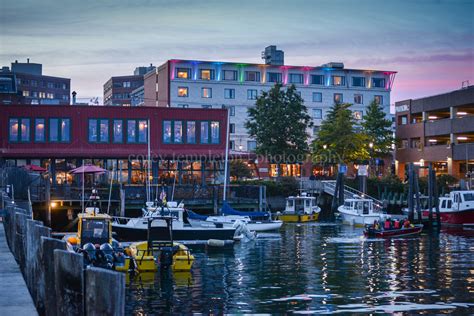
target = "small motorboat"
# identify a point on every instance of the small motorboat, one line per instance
(358, 212)
(299, 209)
(387, 233)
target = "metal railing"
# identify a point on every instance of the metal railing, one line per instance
(329, 186)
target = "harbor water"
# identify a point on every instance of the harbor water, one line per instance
(319, 268)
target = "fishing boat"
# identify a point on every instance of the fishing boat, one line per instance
(254, 221)
(136, 229)
(358, 212)
(299, 209)
(387, 233)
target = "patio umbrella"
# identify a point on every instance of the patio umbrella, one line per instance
(90, 169)
(34, 168)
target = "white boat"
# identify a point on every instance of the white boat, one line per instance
(359, 212)
(231, 220)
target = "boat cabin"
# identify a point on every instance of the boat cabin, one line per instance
(359, 206)
(301, 204)
(94, 228)
(461, 200)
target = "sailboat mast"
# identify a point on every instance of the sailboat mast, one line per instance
(226, 163)
(149, 163)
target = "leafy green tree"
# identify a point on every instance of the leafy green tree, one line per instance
(239, 170)
(338, 140)
(378, 130)
(278, 123)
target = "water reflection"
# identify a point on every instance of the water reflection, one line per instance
(319, 269)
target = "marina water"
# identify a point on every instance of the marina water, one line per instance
(319, 268)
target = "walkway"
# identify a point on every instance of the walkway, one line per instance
(14, 296)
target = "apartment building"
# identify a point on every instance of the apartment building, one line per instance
(217, 84)
(437, 129)
(24, 83)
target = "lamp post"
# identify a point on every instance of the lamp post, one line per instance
(371, 146)
(324, 162)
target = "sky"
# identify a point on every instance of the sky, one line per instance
(430, 43)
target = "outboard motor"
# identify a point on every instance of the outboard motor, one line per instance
(166, 257)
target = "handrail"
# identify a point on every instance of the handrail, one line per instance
(351, 191)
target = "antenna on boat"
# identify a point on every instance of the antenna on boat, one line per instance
(110, 190)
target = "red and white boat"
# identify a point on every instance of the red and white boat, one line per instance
(455, 209)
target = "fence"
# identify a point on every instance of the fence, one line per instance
(56, 278)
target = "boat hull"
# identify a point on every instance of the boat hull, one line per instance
(124, 233)
(295, 218)
(394, 232)
(252, 226)
(358, 220)
(464, 217)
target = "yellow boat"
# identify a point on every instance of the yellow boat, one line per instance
(300, 209)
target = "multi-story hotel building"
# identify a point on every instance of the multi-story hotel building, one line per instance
(437, 129)
(215, 84)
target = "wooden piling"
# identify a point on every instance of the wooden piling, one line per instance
(48, 246)
(69, 282)
(104, 292)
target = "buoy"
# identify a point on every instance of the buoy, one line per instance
(216, 243)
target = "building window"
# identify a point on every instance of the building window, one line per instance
(59, 130)
(416, 143)
(403, 120)
(26, 93)
(358, 115)
(178, 132)
(231, 145)
(358, 81)
(338, 80)
(231, 128)
(50, 85)
(403, 144)
(317, 97)
(378, 83)
(358, 99)
(42, 95)
(183, 73)
(183, 92)
(64, 86)
(317, 114)
(229, 75)
(378, 99)
(252, 94)
(215, 132)
(98, 130)
(167, 132)
(337, 97)
(317, 79)
(274, 77)
(252, 76)
(229, 93)
(206, 106)
(34, 83)
(206, 93)
(19, 130)
(204, 132)
(126, 84)
(191, 132)
(184, 106)
(137, 131)
(50, 95)
(231, 110)
(40, 135)
(316, 130)
(296, 78)
(251, 145)
(118, 131)
(206, 74)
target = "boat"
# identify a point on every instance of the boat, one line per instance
(299, 209)
(358, 212)
(136, 229)
(254, 221)
(387, 233)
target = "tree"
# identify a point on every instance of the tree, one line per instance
(278, 123)
(239, 169)
(378, 130)
(338, 140)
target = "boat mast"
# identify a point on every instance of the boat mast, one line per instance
(149, 163)
(226, 163)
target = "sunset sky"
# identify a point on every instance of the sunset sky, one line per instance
(430, 43)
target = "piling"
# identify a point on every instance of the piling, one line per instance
(48, 246)
(69, 282)
(104, 292)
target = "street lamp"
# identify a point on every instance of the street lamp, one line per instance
(325, 146)
(371, 146)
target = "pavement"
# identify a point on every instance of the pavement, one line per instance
(15, 299)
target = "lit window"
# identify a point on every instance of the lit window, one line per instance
(204, 132)
(251, 94)
(142, 131)
(358, 115)
(378, 99)
(317, 114)
(229, 75)
(49, 95)
(229, 93)
(338, 80)
(274, 77)
(42, 95)
(65, 130)
(378, 83)
(13, 130)
(206, 93)
(215, 133)
(296, 78)
(190, 132)
(26, 93)
(182, 92)
(59, 130)
(358, 81)
(166, 132)
(126, 84)
(40, 135)
(317, 97)
(178, 132)
(183, 73)
(118, 131)
(317, 79)
(358, 99)
(206, 74)
(337, 97)
(252, 76)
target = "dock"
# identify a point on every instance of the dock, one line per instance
(15, 299)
